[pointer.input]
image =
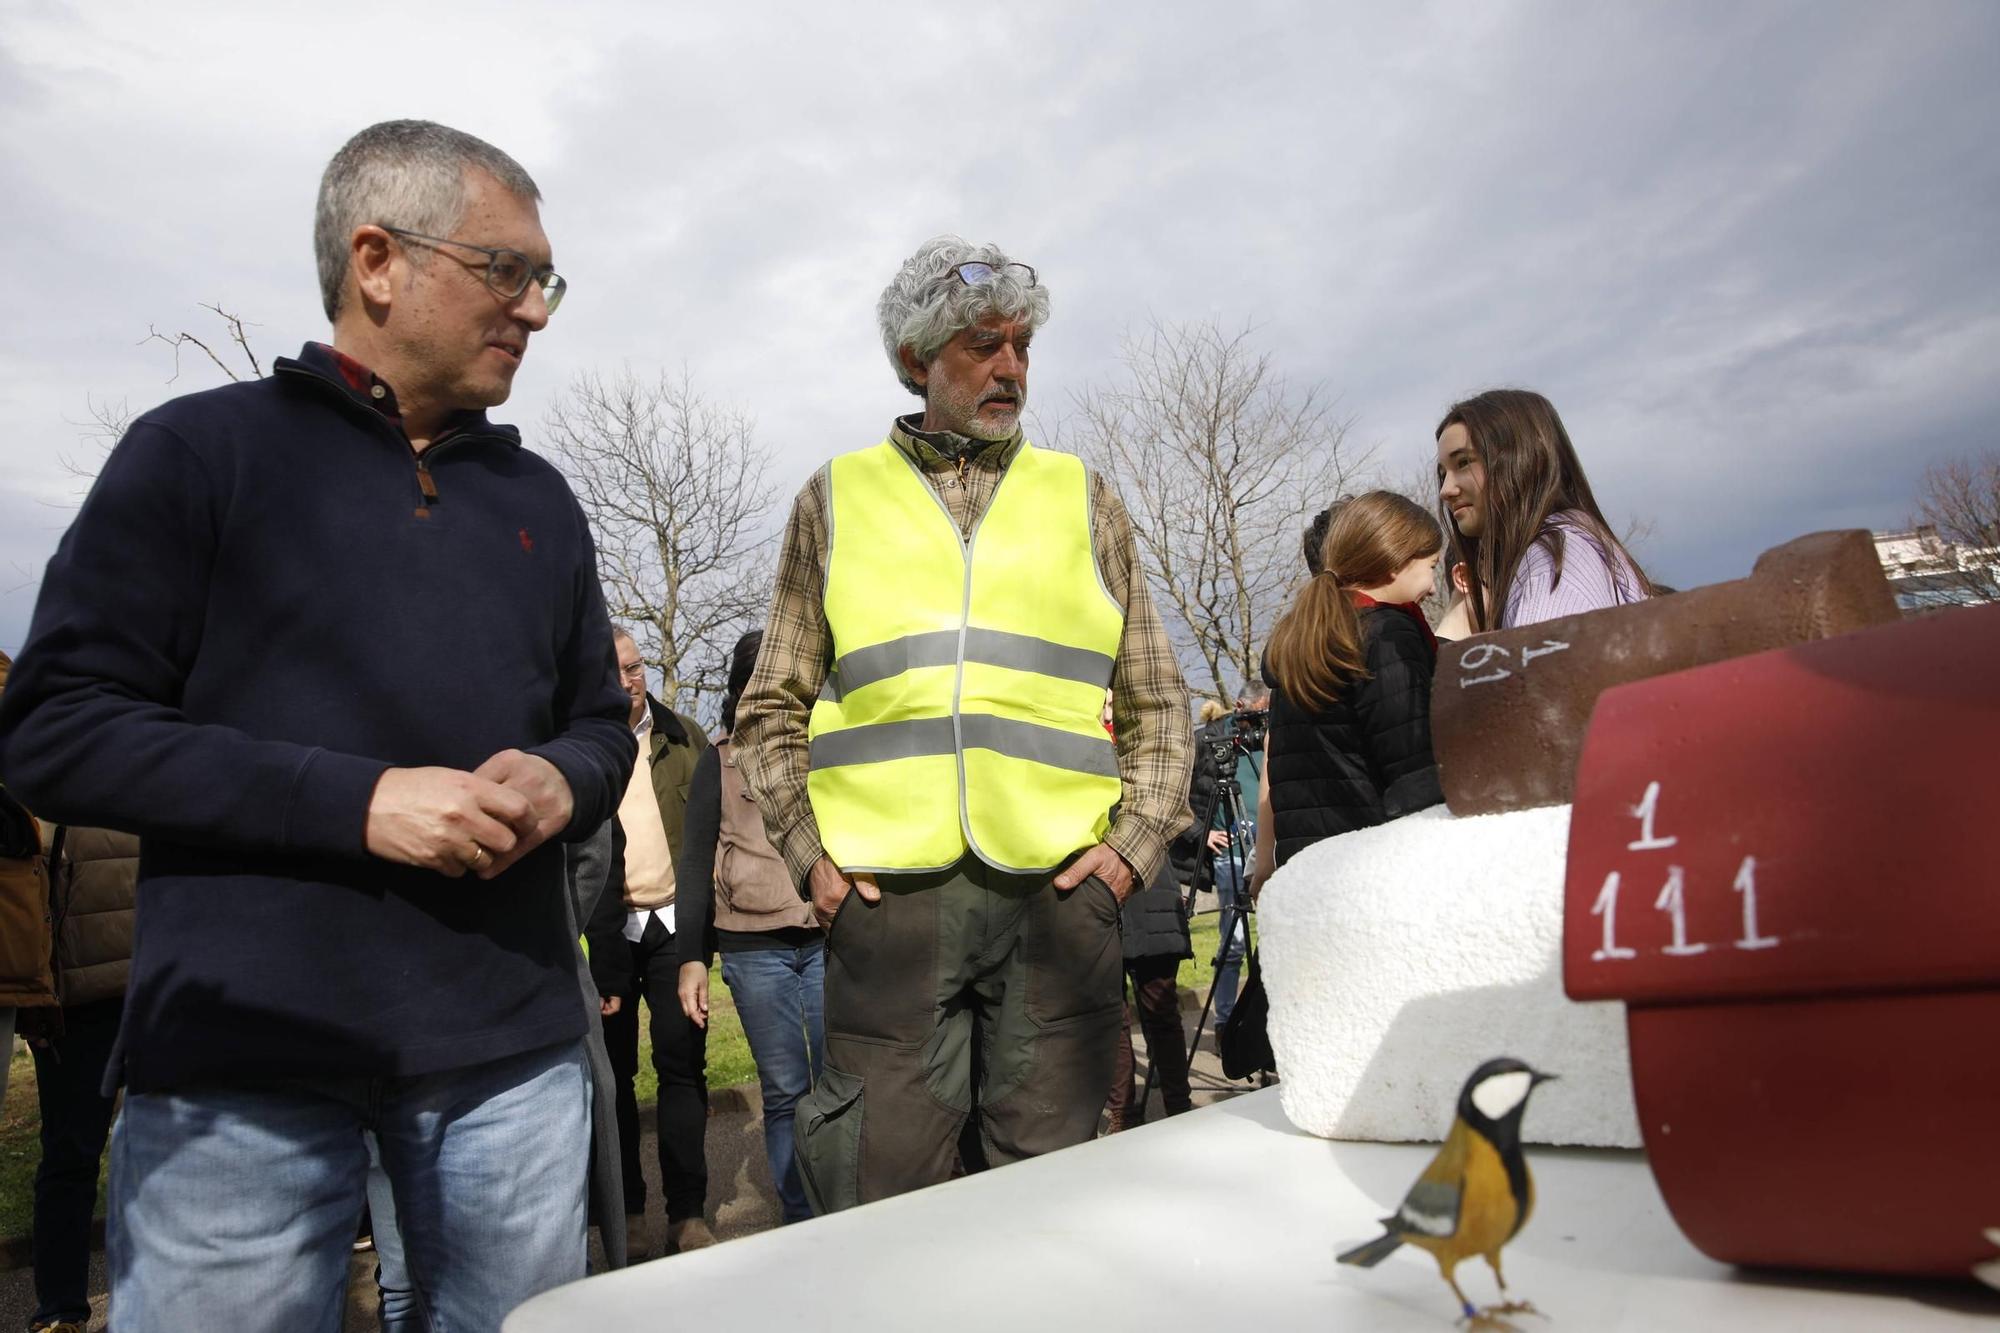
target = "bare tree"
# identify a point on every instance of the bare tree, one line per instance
(1958, 501)
(675, 490)
(1222, 462)
(109, 417)
(237, 335)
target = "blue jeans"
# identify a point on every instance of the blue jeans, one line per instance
(402, 1310)
(779, 995)
(235, 1206)
(1228, 973)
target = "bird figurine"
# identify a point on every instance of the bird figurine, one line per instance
(1476, 1193)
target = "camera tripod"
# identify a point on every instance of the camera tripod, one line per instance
(1235, 913)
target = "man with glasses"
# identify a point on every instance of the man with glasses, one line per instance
(332, 643)
(923, 737)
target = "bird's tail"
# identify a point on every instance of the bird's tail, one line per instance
(1374, 1252)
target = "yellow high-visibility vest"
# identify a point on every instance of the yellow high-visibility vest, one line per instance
(964, 707)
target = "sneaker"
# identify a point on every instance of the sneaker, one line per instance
(690, 1233)
(60, 1326)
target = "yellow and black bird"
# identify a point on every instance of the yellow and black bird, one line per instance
(1476, 1193)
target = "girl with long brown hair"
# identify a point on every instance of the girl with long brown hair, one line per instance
(1349, 744)
(1522, 517)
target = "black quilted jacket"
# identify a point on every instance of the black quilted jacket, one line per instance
(1154, 921)
(1366, 760)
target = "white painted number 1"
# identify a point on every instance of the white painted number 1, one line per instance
(1607, 907)
(1644, 813)
(1671, 900)
(1746, 884)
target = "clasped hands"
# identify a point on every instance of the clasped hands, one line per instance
(451, 821)
(829, 887)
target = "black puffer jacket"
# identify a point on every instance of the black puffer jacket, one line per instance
(1367, 759)
(1154, 921)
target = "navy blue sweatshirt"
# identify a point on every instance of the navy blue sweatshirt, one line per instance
(267, 600)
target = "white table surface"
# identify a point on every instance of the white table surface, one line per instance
(1227, 1218)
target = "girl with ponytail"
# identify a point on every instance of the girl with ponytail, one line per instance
(1349, 744)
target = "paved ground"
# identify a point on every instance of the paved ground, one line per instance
(741, 1200)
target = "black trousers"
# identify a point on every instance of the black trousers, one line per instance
(680, 1058)
(76, 1120)
(1155, 986)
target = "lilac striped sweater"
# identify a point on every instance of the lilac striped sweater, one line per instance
(1592, 578)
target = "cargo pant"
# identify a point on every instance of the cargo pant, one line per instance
(962, 991)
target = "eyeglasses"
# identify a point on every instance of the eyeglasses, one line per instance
(508, 272)
(978, 273)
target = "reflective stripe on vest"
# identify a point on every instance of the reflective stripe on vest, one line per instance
(963, 707)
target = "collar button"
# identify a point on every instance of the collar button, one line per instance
(378, 392)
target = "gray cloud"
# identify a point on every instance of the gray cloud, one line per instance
(1746, 249)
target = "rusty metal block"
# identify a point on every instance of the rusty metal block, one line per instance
(1509, 709)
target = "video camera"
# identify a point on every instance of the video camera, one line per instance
(1251, 724)
(1245, 736)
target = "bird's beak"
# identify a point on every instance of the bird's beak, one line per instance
(1538, 1078)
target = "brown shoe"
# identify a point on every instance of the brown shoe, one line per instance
(636, 1244)
(690, 1233)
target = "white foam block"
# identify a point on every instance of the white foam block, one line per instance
(1399, 957)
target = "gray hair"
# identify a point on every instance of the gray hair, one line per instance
(409, 173)
(925, 307)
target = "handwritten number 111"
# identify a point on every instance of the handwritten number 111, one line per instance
(1672, 902)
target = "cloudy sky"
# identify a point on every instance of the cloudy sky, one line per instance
(1749, 249)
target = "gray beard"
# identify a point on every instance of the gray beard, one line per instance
(971, 428)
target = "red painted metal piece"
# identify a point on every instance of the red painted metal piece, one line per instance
(1779, 862)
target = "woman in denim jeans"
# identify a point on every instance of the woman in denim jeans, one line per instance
(732, 883)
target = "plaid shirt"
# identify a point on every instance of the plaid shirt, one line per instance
(1150, 700)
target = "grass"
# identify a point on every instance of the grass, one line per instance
(729, 1064)
(1198, 971)
(21, 1148)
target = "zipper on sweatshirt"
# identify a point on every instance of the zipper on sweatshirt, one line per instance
(427, 489)
(426, 480)
(426, 484)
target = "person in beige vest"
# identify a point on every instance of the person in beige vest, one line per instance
(649, 824)
(773, 953)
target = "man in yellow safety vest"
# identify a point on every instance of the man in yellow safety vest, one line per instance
(922, 735)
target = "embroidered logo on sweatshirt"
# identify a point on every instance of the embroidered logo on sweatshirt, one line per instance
(527, 542)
